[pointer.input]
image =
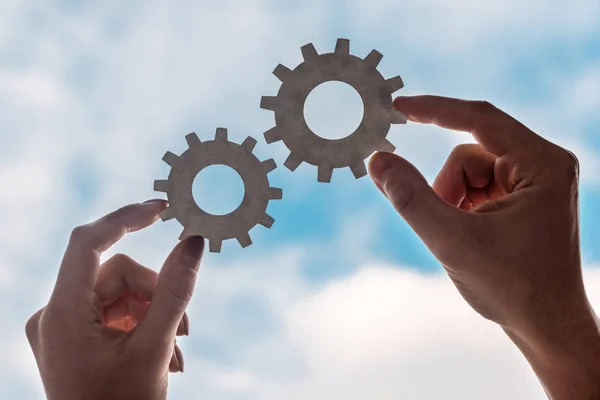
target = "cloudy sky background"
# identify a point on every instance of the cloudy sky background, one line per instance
(339, 299)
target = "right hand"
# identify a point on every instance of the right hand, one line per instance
(502, 217)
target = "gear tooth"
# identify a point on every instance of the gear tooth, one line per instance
(248, 144)
(268, 103)
(282, 72)
(171, 159)
(273, 135)
(184, 234)
(244, 239)
(275, 193)
(342, 46)
(309, 52)
(266, 220)
(373, 58)
(359, 170)
(268, 165)
(161, 185)
(325, 173)
(192, 140)
(387, 146)
(221, 135)
(394, 84)
(167, 214)
(292, 162)
(398, 117)
(214, 245)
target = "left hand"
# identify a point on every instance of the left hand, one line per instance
(108, 331)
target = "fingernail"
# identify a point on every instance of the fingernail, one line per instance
(380, 163)
(179, 358)
(399, 100)
(155, 201)
(186, 324)
(399, 105)
(192, 253)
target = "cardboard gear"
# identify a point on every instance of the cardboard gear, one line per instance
(351, 151)
(216, 228)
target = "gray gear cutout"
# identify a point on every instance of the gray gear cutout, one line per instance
(220, 151)
(351, 151)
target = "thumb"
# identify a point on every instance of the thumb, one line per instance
(173, 291)
(435, 221)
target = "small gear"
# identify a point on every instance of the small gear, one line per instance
(351, 151)
(219, 151)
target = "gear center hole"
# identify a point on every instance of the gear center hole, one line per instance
(218, 189)
(333, 110)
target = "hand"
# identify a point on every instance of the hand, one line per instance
(502, 217)
(108, 331)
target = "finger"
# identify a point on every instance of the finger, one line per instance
(78, 270)
(176, 364)
(468, 166)
(128, 312)
(122, 280)
(477, 196)
(121, 275)
(434, 220)
(173, 291)
(495, 130)
(466, 204)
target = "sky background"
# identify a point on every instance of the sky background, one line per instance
(339, 299)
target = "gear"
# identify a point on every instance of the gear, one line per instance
(351, 151)
(196, 221)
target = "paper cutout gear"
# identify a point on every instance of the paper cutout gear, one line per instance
(351, 151)
(216, 228)
(304, 145)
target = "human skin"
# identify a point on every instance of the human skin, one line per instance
(100, 337)
(502, 218)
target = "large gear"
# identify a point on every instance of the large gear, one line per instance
(196, 221)
(351, 151)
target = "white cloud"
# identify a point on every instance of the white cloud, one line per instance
(387, 333)
(585, 93)
(457, 25)
(34, 89)
(383, 332)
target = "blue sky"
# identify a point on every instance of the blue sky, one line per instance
(339, 298)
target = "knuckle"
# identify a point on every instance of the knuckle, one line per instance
(401, 195)
(183, 295)
(567, 164)
(573, 162)
(182, 288)
(83, 234)
(484, 107)
(119, 263)
(32, 325)
(121, 260)
(463, 149)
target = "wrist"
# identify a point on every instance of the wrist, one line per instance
(565, 354)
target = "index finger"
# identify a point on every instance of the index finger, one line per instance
(496, 131)
(80, 263)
